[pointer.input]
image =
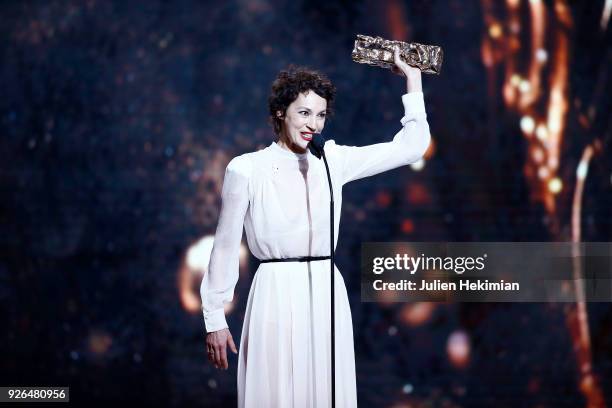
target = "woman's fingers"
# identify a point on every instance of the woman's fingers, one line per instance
(217, 357)
(400, 65)
(210, 353)
(396, 56)
(399, 62)
(213, 354)
(223, 357)
(230, 340)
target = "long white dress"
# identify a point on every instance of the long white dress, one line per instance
(282, 200)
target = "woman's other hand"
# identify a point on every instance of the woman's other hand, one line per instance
(216, 347)
(412, 74)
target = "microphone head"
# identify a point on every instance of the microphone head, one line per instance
(316, 145)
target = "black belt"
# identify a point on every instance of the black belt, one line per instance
(298, 259)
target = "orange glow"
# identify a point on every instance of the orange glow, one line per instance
(407, 226)
(383, 199)
(543, 95)
(431, 150)
(524, 92)
(417, 314)
(538, 17)
(512, 46)
(189, 298)
(395, 18)
(193, 269)
(191, 272)
(418, 194)
(486, 53)
(537, 155)
(555, 185)
(458, 349)
(495, 30)
(99, 342)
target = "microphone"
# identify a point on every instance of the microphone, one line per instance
(316, 145)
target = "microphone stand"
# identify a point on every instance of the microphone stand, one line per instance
(331, 269)
(317, 149)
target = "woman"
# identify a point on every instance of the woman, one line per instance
(280, 195)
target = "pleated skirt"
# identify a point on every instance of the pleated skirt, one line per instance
(285, 355)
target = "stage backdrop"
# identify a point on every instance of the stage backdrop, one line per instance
(118, 119)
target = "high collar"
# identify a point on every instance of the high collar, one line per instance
(288, 153)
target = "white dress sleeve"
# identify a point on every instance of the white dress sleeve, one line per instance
(220, 279)
(408, 145)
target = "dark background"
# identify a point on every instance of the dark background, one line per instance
(118, 119)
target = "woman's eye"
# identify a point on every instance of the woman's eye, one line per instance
(303, 113)
(322, 115)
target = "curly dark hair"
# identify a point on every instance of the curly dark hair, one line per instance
(289, 84)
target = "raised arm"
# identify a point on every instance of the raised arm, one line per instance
(408, 145)
(219, 282)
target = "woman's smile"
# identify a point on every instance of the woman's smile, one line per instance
(307, 136)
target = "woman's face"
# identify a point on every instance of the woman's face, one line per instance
(304, 117)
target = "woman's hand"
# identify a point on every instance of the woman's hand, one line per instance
(216, 346)
(412, 74)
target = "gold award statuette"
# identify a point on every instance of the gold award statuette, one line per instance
(378, 52)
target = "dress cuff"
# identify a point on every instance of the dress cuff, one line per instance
(215, 320)
(414, 105)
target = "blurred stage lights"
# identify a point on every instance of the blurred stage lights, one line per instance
(582, 170)
(543, 172)
(541, 132)
(545, 98)
(458, 349)
(198, 255)
(417, 313)
(495, 30)
(537, 155)
(555, 185)
(541, 55)
(193, 269)
(527, 124)
(99, 342)
(407, 389)
(407, 226)
(524, 86)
